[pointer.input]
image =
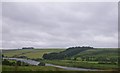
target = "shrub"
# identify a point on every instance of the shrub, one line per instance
(41, 64)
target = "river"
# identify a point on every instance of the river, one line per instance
(32, 62)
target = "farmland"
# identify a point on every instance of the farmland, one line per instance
(98, 58)
(30, 53)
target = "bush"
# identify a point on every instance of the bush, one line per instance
(22, 57)
(38, 59)
(6, 62)
(19, 63)
(41, 64)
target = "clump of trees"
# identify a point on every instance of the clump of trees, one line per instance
(100, 60)
(14, 63)
(71, 51)
(88, 47)
(6, 62)
(103, 60)
(28, 48)
(37, 59)
(22, 57)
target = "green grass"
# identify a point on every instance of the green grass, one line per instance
(82, 64)
(30, 53)
(0, 68)
(39, 53)
(99, 52)
(10, 53)
(30, 68)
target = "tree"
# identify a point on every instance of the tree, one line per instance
(2, 55)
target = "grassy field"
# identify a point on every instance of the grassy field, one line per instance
(82, 64)
(31, 68)
(30, 53)
(103, 52)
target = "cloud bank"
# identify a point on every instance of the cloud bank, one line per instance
(44, 25)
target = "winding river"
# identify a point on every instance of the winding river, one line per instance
(32, 62)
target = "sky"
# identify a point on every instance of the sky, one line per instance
(59, 24)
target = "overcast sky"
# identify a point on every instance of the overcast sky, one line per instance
(45, 25)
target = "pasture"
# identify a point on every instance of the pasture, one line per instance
(30, 53)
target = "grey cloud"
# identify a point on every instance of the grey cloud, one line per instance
(59, 24)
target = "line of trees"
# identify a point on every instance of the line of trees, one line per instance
(80, 47)
(28, 48)
(100, 60)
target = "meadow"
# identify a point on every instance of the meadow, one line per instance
(30, 53)
(100, 52)
(83, 64)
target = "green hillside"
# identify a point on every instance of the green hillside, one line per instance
(66, 53)
(94, 54)
(99, 52)
(29, 53)
(100, 58)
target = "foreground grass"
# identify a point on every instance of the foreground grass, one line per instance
(83, 64)
(0, 67)
(44, 69)
(30, 68)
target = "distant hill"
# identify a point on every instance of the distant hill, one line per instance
(71, 51)
(97, 55)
